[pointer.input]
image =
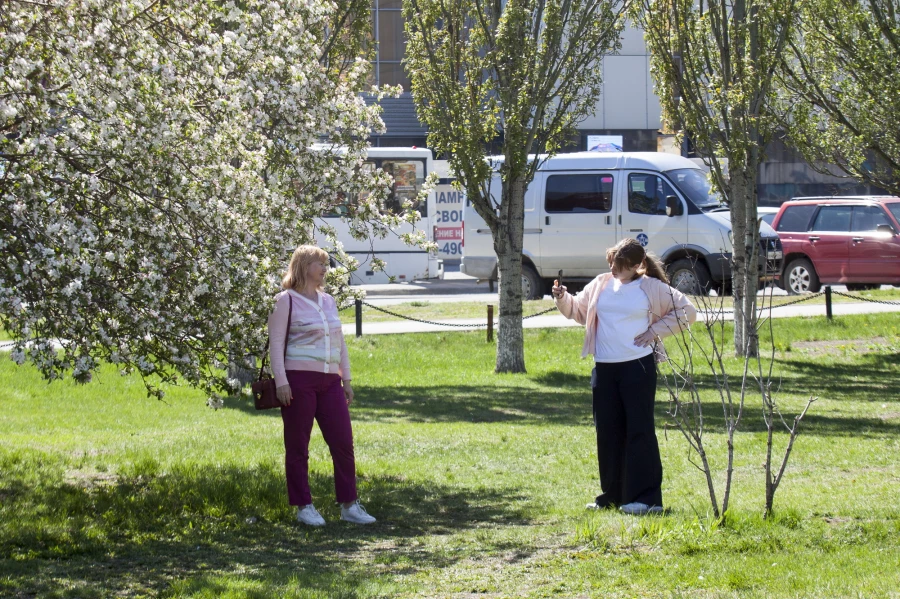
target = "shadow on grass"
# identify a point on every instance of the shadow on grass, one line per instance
(474, 403)
(814, 423)
(867, 379)
(138, 533)
(565, 398)
(871, 378)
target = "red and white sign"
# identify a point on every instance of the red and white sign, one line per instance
(447, 233)
(446, 216)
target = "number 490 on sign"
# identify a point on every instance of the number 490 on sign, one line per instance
(452, 249)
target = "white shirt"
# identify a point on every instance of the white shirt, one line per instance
(623, 313)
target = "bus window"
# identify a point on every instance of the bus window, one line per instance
(409, 176)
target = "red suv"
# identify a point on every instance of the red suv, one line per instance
(854, 241)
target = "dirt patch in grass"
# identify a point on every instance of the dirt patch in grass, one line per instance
(819, 348)
(89, 479)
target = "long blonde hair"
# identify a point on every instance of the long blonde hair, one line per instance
(304, 255)
(629, 253)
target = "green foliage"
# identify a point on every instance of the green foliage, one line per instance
(714, 63)
(526, 70)
(840, 79)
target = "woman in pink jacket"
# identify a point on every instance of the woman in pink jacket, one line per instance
(312, 378)
(626, 313)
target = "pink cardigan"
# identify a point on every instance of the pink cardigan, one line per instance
(670, 310)
(315, 341)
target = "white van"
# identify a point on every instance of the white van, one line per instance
(582, 203)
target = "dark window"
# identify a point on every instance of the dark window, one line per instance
(390, 38)
(579, 193)
(647, 194)
(833, 218)
(894, 207)
(796, 218)
(392, 73)
(867, 218)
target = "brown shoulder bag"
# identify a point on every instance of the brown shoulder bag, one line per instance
(264, 397)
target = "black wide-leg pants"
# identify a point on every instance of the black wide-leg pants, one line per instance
(627, 449)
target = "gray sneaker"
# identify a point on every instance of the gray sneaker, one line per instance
(356, 513)
(308, 514)
(639, 509)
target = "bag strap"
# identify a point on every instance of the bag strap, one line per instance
(262, 366)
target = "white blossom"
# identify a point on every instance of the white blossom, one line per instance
(157, 168)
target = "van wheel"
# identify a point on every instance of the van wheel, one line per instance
(532, 284)
(800, 277)
(689, 276)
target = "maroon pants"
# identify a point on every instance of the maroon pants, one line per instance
(318, 396)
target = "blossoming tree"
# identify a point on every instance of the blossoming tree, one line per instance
(158, 163)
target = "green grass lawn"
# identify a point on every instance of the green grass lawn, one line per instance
(478, 480)
(426, 310)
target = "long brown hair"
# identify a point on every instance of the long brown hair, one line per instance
(304, 255)
(629, 253)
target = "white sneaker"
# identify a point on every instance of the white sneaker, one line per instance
(308, 514)
(356, 514)
(639, 509)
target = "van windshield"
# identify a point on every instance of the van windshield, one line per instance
(693, 184)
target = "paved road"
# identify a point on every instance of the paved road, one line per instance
(457, 287)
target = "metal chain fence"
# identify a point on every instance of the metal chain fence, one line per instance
(6, 345)
(866, 299)
(805, 298)
(451, 324)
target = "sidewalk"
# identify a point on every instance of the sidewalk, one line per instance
(558, 320)
(453, 283)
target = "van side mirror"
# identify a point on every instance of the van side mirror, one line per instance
(885, 229)
(673, 206)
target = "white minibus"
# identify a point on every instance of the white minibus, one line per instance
(579, 204)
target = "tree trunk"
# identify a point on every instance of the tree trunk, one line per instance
(243, 369)
(745, 264)
(508, 247)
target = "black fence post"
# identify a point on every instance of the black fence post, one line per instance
(490, 323)
(359, 318)
(828, 301)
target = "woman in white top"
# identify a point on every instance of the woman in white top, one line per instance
(312, 377)
(626, 313)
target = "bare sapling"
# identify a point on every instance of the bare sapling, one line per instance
(685, 407)
(772, 415)
(697, 353)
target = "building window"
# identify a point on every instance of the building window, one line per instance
(391, 44)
